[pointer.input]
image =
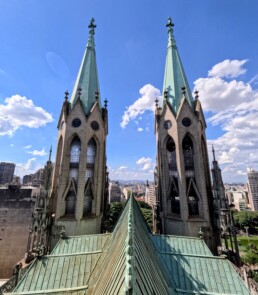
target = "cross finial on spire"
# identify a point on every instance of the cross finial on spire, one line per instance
(196, 92)
(92, 26)
(170, 24)
(66, 94)
(105, 103)
(171, 40)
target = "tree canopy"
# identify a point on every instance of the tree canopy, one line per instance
(246, 218)
(114, 210)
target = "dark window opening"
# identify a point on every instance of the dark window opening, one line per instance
(192, 200)
(70, 203)
(188, 153)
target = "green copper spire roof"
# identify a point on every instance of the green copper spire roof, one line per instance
(174, 78)
(87, 83)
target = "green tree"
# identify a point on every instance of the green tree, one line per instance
(251, 256)
(144, 205)
(245, 218)
(113, 212)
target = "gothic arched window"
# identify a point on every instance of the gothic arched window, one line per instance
(70, 203)
(90, 158)
(88, 197)
(191, 188)
(89, 177)
(173, 193)
(188, 152)
(91, 151)
(75, 150)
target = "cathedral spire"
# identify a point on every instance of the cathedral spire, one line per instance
(174, 78)
(213, 152)
(87, 78)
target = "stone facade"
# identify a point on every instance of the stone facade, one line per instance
(62, 182)
(79, 179)
(185, 201)
(16, 207)
(183, 223)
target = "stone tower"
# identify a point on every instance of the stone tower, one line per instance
(184, 192)
(79, 178)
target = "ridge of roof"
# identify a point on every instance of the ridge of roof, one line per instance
(136, 268)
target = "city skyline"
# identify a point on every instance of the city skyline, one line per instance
(41, 54)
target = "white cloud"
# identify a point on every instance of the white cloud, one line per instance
(140, 129)
(144, 103)
(217, 94)
(18, 111)
(27, 146)
(11, 145)
(130, 174)
(122, 168)
(145, 163)
(228, 69)
(234, 108)
(31, 166)
(38, 153)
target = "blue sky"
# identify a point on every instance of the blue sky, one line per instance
(42, 44)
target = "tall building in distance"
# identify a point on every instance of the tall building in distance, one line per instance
(79, 177)
(6, 172)
(253, 188)
(150, 194)
(114, 192)
(184, 185)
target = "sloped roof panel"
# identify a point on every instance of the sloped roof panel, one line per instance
(79, 244)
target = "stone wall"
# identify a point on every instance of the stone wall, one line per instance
(16, 207)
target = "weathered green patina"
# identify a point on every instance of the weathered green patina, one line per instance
(174, 77)
(86, 87)
(131, 260)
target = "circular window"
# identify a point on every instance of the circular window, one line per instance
(186, 122)
(94, 125)
(167, 124)
(171, 146)
(76, 122)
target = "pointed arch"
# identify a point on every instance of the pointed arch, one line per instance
(91, 151)
(75, 150)
(88, 198)
(188, 152)
(192, 193)
(70, 198)
(193, 197)
(173, 191)
(75, 153)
